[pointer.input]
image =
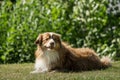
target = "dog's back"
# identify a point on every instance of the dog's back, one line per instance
(80, 59)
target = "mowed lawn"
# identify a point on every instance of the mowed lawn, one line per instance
(22, 72)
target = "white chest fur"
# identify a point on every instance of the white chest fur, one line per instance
(44, 63)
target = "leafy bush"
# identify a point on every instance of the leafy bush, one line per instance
(82, 23)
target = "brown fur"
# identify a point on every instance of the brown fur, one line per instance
(72, 59)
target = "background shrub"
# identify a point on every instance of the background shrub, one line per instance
(82, 23)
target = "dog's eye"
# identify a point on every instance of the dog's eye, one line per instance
(46, 39)
(55, 38)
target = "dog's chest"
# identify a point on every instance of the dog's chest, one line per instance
(47, 61)
(51, 56)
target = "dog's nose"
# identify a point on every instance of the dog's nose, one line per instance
(52, 43)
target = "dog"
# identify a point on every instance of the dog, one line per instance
(54, 54)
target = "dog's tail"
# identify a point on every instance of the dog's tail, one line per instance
(106, 61)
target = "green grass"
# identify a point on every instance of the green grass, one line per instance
(22, 72)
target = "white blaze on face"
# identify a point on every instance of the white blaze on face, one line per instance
(48, 44)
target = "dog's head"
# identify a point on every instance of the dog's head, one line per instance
(48, 41)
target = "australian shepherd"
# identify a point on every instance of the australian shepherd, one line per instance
(53, 54)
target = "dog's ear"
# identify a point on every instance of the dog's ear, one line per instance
(59, 39)
(39, 40)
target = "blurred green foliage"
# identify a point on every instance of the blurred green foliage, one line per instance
(82, 23)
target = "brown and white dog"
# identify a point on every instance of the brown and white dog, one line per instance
(53, 54)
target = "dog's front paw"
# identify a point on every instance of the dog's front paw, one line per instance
(34, 72)
(37, 71)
